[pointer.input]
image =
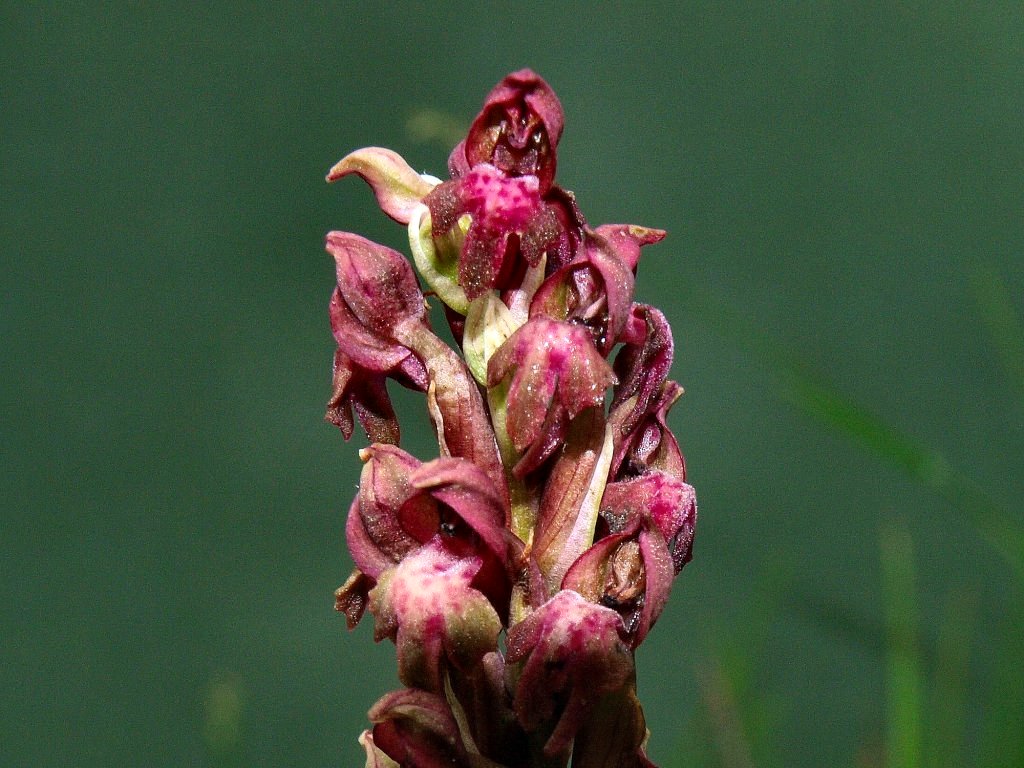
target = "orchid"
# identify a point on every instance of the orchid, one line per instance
(518, 570)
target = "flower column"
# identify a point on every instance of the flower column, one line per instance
(518, 571)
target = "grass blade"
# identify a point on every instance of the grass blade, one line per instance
(1005, 328)
(724, 717)
(952, 658)
(904, 688)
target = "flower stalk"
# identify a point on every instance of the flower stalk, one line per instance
(518, 571)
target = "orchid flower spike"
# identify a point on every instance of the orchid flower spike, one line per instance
(518, 570)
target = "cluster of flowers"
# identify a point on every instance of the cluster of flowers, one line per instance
(518, 572)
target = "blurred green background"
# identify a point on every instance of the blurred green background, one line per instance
(842, 187)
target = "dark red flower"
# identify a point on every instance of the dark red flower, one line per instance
(651, 521)
(403, 503)
(649, 443)
(554, 366)
(428, 606)
(518, 128)
(644, 361)
(572, 652)
(508, 218)
(594, 290)
(371, 279)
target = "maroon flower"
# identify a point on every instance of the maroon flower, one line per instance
(555, 369)
(644, 362)
(518, 128)
(594, 290)
(651, 521)
(378, 315)
(572, 652)
(649, 444)
(508, 217)
(387, 519)
(366, 356)
(428, 606)
(404, 503)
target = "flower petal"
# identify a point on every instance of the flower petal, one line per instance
(472, 495)
(397, 187)
(503, 210)
(626, 240)
(352, 597)
(367, 392)
(415, 728)
(376, 282)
